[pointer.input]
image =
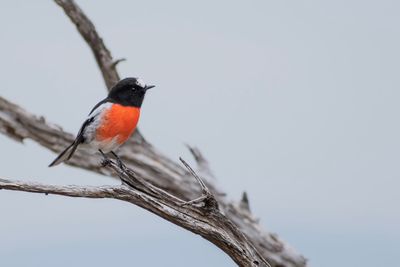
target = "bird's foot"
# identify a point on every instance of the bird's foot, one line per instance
(119, 161)
(106, 160)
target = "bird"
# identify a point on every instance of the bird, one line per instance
(111, 121)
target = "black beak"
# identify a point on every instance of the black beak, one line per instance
(149, 87)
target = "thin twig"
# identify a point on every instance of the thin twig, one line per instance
(210, 202)
(203, 186)
(116, 62)
(129, 178)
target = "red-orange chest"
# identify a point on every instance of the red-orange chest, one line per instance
(118, 121)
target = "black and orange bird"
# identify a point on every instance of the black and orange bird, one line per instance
(111, 122)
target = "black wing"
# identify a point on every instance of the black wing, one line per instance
(80, 137)
(70, 150)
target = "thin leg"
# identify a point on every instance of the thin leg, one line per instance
(105, 158)
(119, 161)
(102, 153)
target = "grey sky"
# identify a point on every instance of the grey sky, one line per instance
(295, 102)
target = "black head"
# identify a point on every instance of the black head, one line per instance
(129, 92)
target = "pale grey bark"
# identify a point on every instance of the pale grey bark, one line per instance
(201, 216)
(160, 185)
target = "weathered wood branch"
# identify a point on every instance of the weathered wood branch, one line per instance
(66, 190)
(88, 31)
(149, 164)
(163, 174)
(201, 216)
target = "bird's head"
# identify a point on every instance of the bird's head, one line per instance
(129, 92)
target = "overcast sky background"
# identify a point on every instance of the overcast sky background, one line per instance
(295, 102)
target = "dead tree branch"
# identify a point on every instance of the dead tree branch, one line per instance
(205, 220)
(69, 190)
(157, 179)
(88, 32)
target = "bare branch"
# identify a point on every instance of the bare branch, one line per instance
(206, 221)
(244, 202)
(203, 186)
(202, 162)
(116, 62)
(207, 197)
(159, 176)
(70, 191)
(93, 39)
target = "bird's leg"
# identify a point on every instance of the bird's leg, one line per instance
(102, 153)
(119, 161)
(105, 160)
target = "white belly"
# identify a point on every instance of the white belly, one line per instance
(105, 145)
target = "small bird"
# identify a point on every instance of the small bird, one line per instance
(112, 121)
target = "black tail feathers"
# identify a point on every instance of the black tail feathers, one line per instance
(65, 155)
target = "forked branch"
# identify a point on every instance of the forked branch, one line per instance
(205, 220)
(158, 184)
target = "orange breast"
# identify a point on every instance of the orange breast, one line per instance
(118, 121)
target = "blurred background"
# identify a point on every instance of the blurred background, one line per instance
(295, 102)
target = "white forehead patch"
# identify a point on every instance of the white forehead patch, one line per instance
(140, 83)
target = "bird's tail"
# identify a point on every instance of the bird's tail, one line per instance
(65, 155)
